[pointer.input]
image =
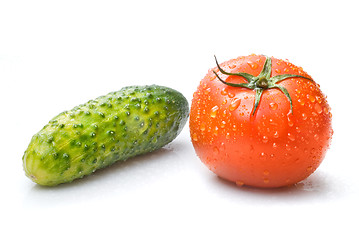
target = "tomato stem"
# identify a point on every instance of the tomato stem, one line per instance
(261, 82)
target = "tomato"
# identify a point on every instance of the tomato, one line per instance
(260, 121)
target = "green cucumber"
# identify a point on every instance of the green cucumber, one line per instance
(111, 128)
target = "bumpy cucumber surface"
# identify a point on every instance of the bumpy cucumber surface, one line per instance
(114, 127)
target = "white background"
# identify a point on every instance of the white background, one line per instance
(55, 55)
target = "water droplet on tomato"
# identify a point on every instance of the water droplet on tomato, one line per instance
(224, 113)
(291, 137)
(215, 150)
(202, 126)
(276, 134)
(222, 147)
(213, 112)
(326, 111)
(316, 137)
(309, 169)
(252, 65)
(264, 139)
(301, 102)
(234, 104)
(319, 99)
(207, 90)
(290, 122)
(266, 172)
(266, 180)
(194, 137)
(289, 118)
(239, 183)
(263, 155)
(215, 131)
(287, 146)
(273, 106)
(275, 145)
(311, 98)
(304, 116)
(232, 66)
(318, 108)
(231, 95)
(228, 136)
(224, 91)
(223, 124)
(312, 151)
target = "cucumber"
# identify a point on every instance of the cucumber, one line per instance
(114, 127)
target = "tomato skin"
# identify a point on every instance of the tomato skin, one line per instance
(273, 147)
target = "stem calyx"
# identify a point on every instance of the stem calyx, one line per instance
(261, 82)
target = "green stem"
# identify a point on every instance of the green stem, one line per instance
(261, 82)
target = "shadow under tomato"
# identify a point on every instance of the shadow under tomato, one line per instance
(318, 185)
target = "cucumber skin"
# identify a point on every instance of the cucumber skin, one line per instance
(111, 128)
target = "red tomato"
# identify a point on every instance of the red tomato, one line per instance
(270, 128)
